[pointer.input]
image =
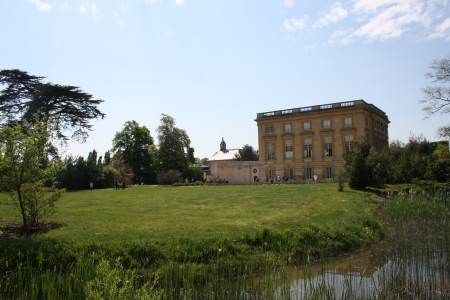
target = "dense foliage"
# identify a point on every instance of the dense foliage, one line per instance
(247, 153)
(416, 160)
(25, 166)
(135, 144)
(136, 160)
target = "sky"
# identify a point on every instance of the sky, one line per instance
(214, 64)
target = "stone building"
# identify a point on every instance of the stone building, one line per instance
(302, 142)
(223, 167)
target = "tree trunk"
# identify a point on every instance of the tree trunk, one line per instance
(22, 209)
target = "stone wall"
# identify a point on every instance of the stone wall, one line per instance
(234, 171)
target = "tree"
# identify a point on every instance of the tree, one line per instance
(247, 153)
(24, 167)
(357, 167)
(134, 142)
(124, 172)
(437, 97)
(174, 146)
(27, 98)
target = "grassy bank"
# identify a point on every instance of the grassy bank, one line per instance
(179, 238)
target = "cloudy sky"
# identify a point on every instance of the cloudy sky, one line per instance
(214, 64)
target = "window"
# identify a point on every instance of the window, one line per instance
(326, 124)
(348, 140)
(348, 122)
(287, 128)
(328, 147)
(271, 173)
(328, 172)
(288, 149)
(289, 173)
(326, 106)
(347, 104)
(270, 152)
(268, 130)
(307, 125)
(307, 147)
(308, 173)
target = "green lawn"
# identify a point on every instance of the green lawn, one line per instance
(166, 213)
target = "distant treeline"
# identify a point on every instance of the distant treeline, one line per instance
(416, 160)
(135, 159)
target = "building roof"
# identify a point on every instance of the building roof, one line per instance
(316, 108)
(228, 154)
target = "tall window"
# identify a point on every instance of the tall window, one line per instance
(288, 149)
(348, 122)
(348, 143)
(270, 152)
(288, 128)
(271, 173)
(307, 147)
(326, 124)
(328, 147)
(307, 125)
(268, 129)
(289, 173)
(308, 173)
(328, 172)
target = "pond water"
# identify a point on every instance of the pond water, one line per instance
(369, 275)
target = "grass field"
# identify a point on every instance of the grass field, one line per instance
(164, 214)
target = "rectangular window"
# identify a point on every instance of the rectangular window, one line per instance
(308, 173)
(326, 124)
(271, 173)
(307, 147)
(348, 140)
(348, 122)
(268, 130)
(307, 125)
(328, 147)
(270, 152)
(288, 149)
(329, 173)
(288, 128)
(289, 173)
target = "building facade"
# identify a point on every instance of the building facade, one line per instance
(224, 168)
(307, 142)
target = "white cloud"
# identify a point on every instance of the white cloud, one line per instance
(289, 3)
(335, 14)
(120, 23)
(391, 18)
(442, 30)
(294, 24)
(41, 5)
(87, 8)
(179, 2)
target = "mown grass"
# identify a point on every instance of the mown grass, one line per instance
(200, 212)
(180, 242)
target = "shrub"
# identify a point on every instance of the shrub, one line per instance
(38, 203)
(169, 177)
(113, 282)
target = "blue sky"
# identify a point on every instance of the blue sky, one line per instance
(213, 65)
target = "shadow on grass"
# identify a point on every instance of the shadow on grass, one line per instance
(16, 231)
